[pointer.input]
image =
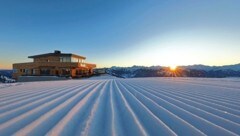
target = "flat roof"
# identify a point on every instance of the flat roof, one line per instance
(57, 54)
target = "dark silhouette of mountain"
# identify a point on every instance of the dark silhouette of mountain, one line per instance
(181, 71)
(6, 73)
(235, 67)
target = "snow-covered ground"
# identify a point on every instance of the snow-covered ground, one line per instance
(4, 85)
(112, 106)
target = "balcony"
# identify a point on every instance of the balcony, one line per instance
(53, 64)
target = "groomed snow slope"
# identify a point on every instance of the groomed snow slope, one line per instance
(125, 107)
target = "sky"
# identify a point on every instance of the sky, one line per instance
(122, 32)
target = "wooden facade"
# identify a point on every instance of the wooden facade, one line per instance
(54, 64)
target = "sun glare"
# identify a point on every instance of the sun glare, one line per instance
(173, 68)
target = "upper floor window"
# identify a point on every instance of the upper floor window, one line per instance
(74, 59)
(65, 59)
(79, 60)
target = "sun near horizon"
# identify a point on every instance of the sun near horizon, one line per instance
(173, 67)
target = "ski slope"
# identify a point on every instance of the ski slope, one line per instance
(111, 106)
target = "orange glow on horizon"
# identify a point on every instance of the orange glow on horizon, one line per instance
(173, 67)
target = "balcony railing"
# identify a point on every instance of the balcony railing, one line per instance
(53, 64)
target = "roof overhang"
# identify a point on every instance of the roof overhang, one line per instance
(60, 55)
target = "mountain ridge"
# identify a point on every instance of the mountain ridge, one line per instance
(181, 71)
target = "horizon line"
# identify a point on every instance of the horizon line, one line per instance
(154, 66)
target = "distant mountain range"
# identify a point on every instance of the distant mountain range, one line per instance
(162, 71)
(235, 67)
(8, 73)
(181, 71)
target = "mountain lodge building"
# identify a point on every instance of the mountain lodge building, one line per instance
(54, 64)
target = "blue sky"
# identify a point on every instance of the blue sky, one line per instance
(122, 32)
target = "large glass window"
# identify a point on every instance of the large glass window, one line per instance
(66, 71)
(74, 59)
(45, 71)
(79, 60)
(33, 71)
(71, 59)
(65, 59)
